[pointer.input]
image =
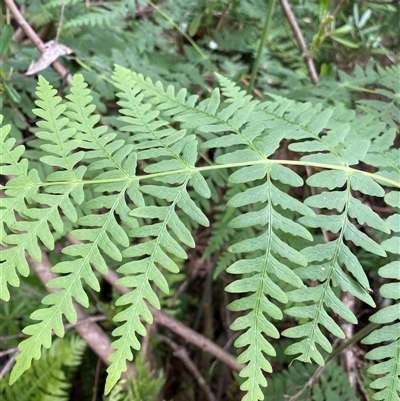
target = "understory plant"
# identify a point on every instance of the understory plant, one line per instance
(133, 197)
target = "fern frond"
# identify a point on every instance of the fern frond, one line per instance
(62, 185)
(110, 159)
(98, 17)
(36, 220)
(266, 250)
(142, 222)
(258, 281)
(146, 386)
(101, 226)
(332, 385)
(383, 155)
(204, 116)
(59, 3)
(175, 154)
(388, 384)
(385, 109)
(327, 261)
(19, 191)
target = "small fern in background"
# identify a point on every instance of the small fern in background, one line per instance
(48, 379)
(332, 384)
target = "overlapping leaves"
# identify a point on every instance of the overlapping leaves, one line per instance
(170, 151)
(138, 221)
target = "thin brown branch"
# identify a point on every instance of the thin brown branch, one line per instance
(12, 337)
(338, 7)
(7, 367)
(300, 40)
(223, 16)
(348, 357)
(8, 352)
(32, 35)
(183, 355)
(146, 347)
(183, 331)
(87, 320)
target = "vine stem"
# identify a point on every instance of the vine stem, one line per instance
(355, 338)
(60, 21)
(300, 40)
(264, 35)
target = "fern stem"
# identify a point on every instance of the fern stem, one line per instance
(357, 337)
(374, 176)
(264, 35)
(176, 26)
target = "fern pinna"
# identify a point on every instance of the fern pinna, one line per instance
(143, 221)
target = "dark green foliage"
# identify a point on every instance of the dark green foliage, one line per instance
(331, 385)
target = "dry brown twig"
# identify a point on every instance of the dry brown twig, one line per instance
(7, 367)
(182, 354)
(32, 35)
(300, 40)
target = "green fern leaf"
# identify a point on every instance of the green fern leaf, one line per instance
(19, 191)
(388, 384)
(35, 226)
(332, 255)
(143, 222)
(179, 155)
(69, 181)
(99, 17)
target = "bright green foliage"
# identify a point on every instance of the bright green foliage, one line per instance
(170, 151)
(50, 378)
(26, 182)
(142, 221)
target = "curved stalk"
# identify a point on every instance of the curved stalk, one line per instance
(264, 35)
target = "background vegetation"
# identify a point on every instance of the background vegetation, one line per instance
(349, 62)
